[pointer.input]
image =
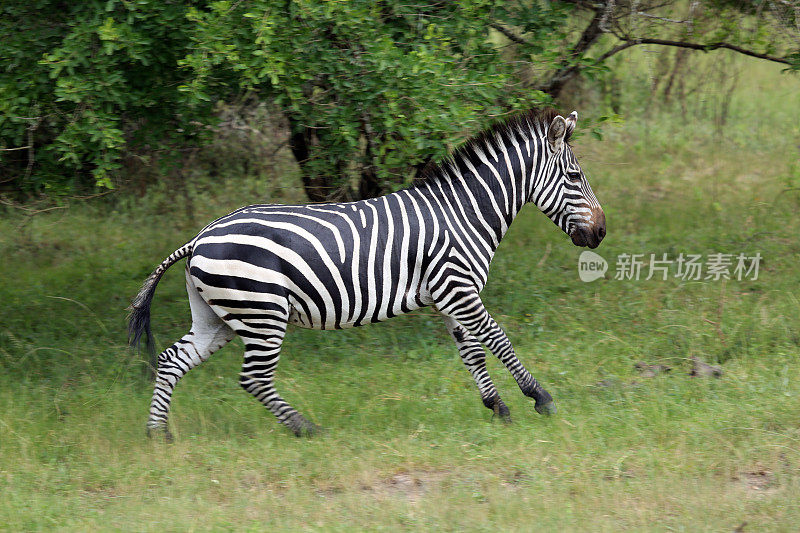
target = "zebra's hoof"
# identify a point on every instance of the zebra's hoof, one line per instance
(546, 409)
(160, 432)
(505, 419)
(302, 427)
(310, 430)
(501, 412)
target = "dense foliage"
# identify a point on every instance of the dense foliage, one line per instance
(363, 84)
(371, 90)
(84, 83)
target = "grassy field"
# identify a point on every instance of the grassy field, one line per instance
(409, 444)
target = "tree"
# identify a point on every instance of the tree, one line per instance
(372, 90)
(764, 29)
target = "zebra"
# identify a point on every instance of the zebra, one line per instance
(338, 265)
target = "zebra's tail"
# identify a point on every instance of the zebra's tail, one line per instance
(139, 317)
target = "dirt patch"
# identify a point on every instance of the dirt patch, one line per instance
(517, 479)
(620, 473)
(410, 485)
(260, 483)
(329, 492)
(757, 479)
(99, 493)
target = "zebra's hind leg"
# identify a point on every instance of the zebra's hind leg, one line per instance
(208, 334)
(262, 353)
(473, 356)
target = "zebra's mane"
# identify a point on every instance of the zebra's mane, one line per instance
(516, 126)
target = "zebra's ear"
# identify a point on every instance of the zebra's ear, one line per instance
(571, 120)
(556, 132)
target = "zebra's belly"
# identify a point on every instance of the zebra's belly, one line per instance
(245, 293)
(355, 318)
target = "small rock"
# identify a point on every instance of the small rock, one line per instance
(651, 371)
(701, 369)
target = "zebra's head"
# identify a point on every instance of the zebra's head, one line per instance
(562, 191)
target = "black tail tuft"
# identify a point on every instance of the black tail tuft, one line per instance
(139, 318)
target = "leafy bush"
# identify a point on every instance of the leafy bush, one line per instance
(86, 83)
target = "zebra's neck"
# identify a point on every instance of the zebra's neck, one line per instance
(486, 183)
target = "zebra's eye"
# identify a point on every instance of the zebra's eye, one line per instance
(574, 176)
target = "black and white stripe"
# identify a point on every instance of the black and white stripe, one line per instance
(340, 265)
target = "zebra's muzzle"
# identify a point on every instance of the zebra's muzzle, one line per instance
(592, 234)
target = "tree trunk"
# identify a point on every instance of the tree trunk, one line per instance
(319, 188)
(569, 69)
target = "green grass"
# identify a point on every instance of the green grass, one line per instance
(409, 444)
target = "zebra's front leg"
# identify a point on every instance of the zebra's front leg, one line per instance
(262, 352)
(473, 316)
(473, 356)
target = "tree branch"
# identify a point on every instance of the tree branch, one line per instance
(693, 46)
(604, 12)
(511, 36)
(569, 68)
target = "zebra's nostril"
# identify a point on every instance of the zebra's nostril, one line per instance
(601, 232)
